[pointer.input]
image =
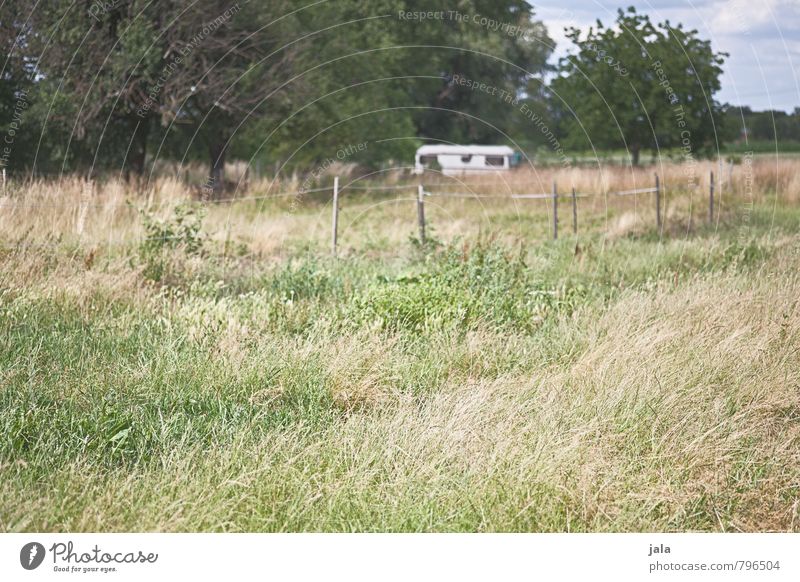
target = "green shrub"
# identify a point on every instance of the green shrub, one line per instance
(168, 241)
(415, 304)
(465, 288)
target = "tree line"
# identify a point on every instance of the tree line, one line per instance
(117, 85)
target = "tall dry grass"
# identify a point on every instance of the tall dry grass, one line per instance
(267, 216)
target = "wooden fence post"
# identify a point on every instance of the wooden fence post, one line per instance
(421, 213)
(574, 212)
(658, 204)
(335, 226)
(711, 198)
(555, 211)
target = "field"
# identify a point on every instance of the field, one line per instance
(172, 366)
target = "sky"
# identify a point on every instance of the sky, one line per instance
(761, 36)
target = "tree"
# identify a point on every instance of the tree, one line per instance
(398, 75)
(113, 84)
(114, 70)
(487, 53)
(639, 86)
(16, 86)
(223, 65)
(94, 64)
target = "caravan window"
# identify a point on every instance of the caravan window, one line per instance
(466, 159)
(495, 161)
(428, 160)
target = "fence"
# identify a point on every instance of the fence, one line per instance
(554, 197)
(423, 192)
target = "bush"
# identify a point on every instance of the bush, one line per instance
(180, 232)
(467, 288)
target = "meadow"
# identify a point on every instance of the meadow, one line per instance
(173, 365)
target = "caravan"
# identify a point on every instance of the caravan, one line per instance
(453, 160)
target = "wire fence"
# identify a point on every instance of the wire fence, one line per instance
(424, 190)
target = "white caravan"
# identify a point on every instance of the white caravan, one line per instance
(454, 160)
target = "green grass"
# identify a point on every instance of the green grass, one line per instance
(630, 384)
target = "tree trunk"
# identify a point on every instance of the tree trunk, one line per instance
(635, 151)
(216, 177)
(138, 149)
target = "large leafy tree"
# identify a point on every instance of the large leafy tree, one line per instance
(17, 87)
(14, 76)
(118, 83)
(114, 72)
(93, 64)
(377, 73)
(495, 44)
(345, 90)
(639, 86)
(228, 65)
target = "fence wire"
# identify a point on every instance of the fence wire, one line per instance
(442, 190)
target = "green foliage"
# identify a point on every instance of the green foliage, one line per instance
(761, 131)
(417, 304)
(467, 288)
(639, 86)
(119, 82)
(511, 58)
(742, 254)
(182, 229)
(181, 232)
(306, 279)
